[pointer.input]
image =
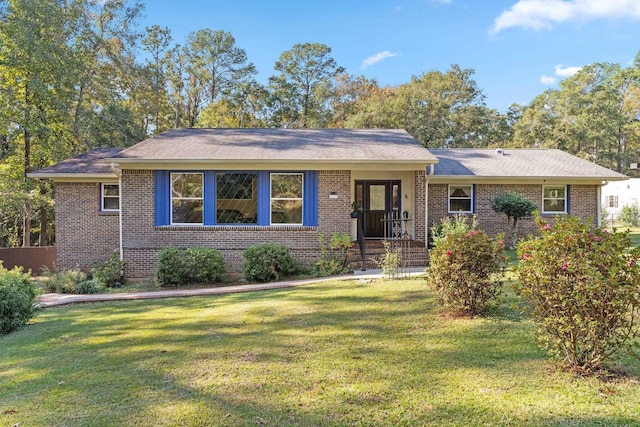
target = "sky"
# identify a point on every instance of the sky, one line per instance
(518, 48)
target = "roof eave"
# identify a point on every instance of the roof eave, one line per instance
(531, 179)
(72, 176)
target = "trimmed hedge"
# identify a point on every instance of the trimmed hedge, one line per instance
(268, 262)
(177, 267)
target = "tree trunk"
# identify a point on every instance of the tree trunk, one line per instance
(26, 224)
(513, 226)
(44, 231)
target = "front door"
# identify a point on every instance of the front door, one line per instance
(380, 202)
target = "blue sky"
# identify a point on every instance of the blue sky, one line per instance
(518, 48)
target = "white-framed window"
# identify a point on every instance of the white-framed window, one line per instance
(460, 198)
(187, 190)
(612, 201)
(109, 197)
(286, 198)
(554, 199)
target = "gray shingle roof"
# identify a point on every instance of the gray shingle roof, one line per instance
(520, 163)
(279, 145)
(90, 163)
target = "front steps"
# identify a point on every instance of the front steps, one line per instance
(412, 253)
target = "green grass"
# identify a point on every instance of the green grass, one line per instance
(352, 353)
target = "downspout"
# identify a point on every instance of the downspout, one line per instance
(119, 175)
(599, 204)
(427, 175)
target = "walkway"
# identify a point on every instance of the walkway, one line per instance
(51, 300)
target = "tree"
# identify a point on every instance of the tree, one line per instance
(594, 115)
(215, 68)
(156, 43)
(443, 109)
(438, 109)
(515, 206)
(58, 62)
(300, 93)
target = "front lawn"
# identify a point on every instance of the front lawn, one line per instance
(335, 353)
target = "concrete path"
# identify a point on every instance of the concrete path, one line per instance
(51, 300)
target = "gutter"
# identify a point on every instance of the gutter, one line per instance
(119, 175)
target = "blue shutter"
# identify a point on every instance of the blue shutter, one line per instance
(473, 199)
(568, 199)
(209, 202)
(162, 198)
(310, 202)
(264, 198)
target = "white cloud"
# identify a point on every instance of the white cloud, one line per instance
(547, 80)
(543, 14)
(377, 58)
(562, 71)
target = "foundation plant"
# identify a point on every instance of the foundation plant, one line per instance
(583, 288)
(465, 266)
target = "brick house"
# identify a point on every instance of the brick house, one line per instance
(232, 188)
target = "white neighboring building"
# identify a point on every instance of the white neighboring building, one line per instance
(617, 194)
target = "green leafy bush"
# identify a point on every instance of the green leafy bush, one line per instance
(582, 284)
(109, 273)
(267, 262)
(17, 295)
(65, 281)
(91, 286)
(452, 224)
(178, 267)
(629, 215)
(464, 267)
(333, 259)
(515, 206)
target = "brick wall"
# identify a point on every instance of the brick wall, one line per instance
(583, 202)
(142, 240)
(83, 233)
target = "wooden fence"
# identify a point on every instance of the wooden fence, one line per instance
(33, 258)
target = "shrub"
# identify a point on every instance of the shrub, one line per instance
(582, 286)
(629, 215)
(65, 281)
(390, 261)
(334, 259)
(515, 206)
(109, 273)
(463, 268)
(452, 224)
(91, 286)
(178, 267)
(268, 262)
(206, 265)
(17, 295)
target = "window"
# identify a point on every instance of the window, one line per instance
(187, 205)
(286, 198)
(236, 198)
(613, 201)
(110, 197)
(554, 199)
(460, 198)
